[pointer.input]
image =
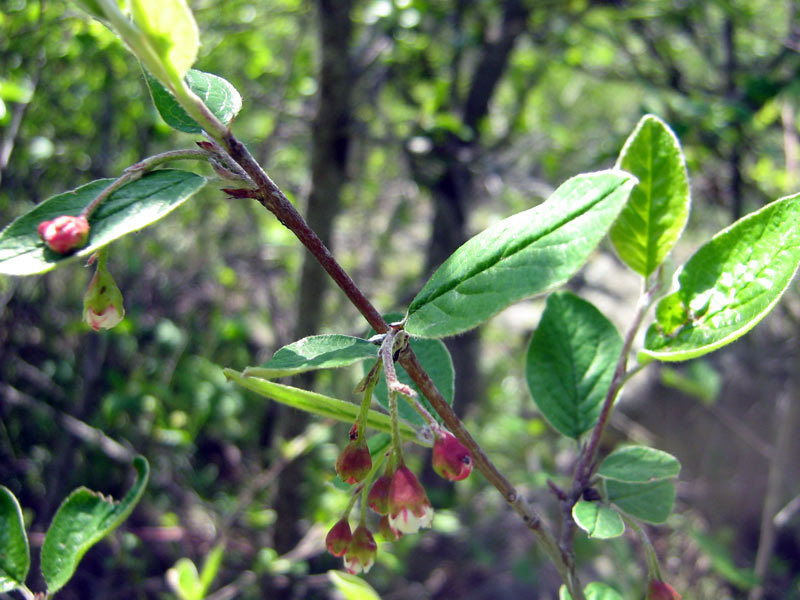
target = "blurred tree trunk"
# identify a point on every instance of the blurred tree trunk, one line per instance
(451, 180)
(329, 149)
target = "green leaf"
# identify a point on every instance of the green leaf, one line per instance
(639, 464)
(657, 211)
(593, 591)
(315, 352)
(352, 587)
(171, 29)
(570, 363)
(324, 406)
(699, 380)
(15, 558)
(597, 520)
(211, 567)
(729, 284)
(722, 562)
(435, 358)
(185, 581)
(525, 254)
(221, 98)
(130, 208)
(82, 520)
(649, 502)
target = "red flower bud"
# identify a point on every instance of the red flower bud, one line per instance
(338, 538)
(409, 507)
(660, 590)
(389, 533)
(451, 459)
(65, 233)
(378, 497)
(354, 462)
(361, 552)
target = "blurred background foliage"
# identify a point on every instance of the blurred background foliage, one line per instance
(401, 128)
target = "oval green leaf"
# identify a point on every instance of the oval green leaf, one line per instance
(82, 520)
(435, 358)
(526, 254)
(171, 30)
(15, 558)
(570, 363)
(185, 581)
(318, 404)
(130, 208)
(639, 464)
(658, 208)
(219, 95)
(729, 284)
(315, 352)
(593, 591)
(649, 502)
(598, 521)
(352, 587)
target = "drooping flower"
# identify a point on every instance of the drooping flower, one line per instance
(361, 552)
(102, 303)
(388, 533)
(338, 538)
(409, 507)
(65, 233)
(661, 590)
(354, 462)
(451, 459)
(378, 497)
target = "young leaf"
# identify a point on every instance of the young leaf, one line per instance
(15, 558)
(352, 587)
(185, 581)
(598, 521)
(82, 520)
(130, 208)
(221, 98)
(315, 352)
(639, 464)
(658, 208)
(526, 254)
(570, 363)
(324, 406)
(211, 567)
(649, 502)
(593, 591)
(171, 29)
(435, 358)
(729, 284)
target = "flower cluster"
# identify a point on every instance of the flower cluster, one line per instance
(397, 496)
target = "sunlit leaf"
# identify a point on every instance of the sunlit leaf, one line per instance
(352, 587)
(15, 559)
(598, 521)
(171, 29)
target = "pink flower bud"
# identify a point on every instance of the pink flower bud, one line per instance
(102, 303)
(354, 462)
(378, 497)
(361, 552)
(338, 538)
(660, 590)
(409, 507)
(388, 533)
(451, 459)
(65, 233)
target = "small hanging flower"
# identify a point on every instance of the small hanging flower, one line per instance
(65, 233)
(660, 590)
(388, 533)
(361, 552)
(354, 462)
(102, 303)
(451, 459)
(378, 497)
(338, 538)
(409, 507)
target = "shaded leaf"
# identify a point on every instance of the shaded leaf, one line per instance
(82, 520)
(570, 363)
(729, 284)
(722, 562)
(649, 502)
(221, 98)
(315, 352)
(320, 405)
(639, 464)
(15, 558)
(598, 521)
(658, 208)
(130, 208)
(525, 254)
